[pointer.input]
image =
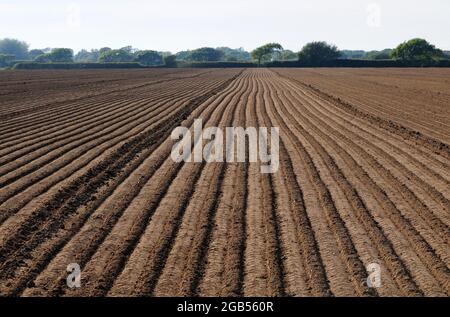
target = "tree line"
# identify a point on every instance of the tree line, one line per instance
(314, 54)
(318, 53)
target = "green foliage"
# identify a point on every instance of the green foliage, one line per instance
(149, 58)
(316, 53)
(208, 54)
(115, 56)
(182, 55)
(280, 55)
(6, 60)
(234, 55)
(352, 54)
(14, 47)
(164, 53)
(57, 55)
(104, 50)
(287, 55)
(267, 49)
(43, 58)
(374, 55)
(35, 53)
(362, 63)
(371, 55)
(61, 55)
(413, 53)
(129, 49)
(84, 56)
(205, 54)
(170, 61)
(417, 50)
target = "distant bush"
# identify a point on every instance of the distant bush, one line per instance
(115, 56)
(234, 55)
(417, 50)
(35, 53)
(333, 63)
(57, 55)
(85, 56)
(352, 54)
(318, 53)
(35, 65)
(14, 47)
(148, 58)
(329, 63)
(170, 61)
(361, 63)
(260, 53)
(6, 60)
(205, 54)
(384, 54)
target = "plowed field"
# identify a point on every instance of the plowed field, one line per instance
(86, 177)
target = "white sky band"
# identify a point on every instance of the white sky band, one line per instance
(179, 25)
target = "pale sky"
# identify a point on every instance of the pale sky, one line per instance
(174, 25)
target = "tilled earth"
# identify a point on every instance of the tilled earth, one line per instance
(86, 176)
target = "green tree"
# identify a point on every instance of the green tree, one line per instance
(352, 54)
(115, 56)
(384, 54)
(286, 55)
(129, 49)
(316, 53)
(61, 55)
(149, 58)
(234, 55)
(183, 55)
(164, 53)
(14, 47)
(35, 53)
(6, 60)
(43, 58)
(84, 56)
(416, 50)
(265, 50)
(170, 61)
(205, 54)
(57, 55)
(104, 50)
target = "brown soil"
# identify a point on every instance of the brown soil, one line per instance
(86, 177)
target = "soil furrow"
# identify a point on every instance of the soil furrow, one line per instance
(422, 248)
(124, 224)
(136, 145)
(146, 263)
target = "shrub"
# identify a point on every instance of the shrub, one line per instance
(6, 60)
(317, 53)
(115, 56)
(170, 61)
(417, 50)
(149, 58)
